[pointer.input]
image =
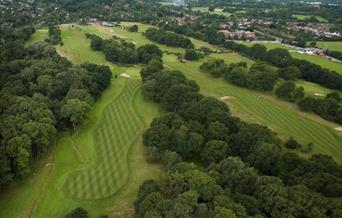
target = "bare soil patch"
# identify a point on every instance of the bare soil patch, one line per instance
(318, 94)
(339, 128)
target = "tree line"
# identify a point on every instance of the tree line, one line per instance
(168, 38)
(260, 75)
(121, 51)
(206, 26)
(54, 35)
(41, 93)
(280, 57)
(334, 54)
(219, 166)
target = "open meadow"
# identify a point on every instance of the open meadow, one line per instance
(102, 164)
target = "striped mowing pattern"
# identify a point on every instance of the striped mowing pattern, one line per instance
(279, 118)
(114, 136)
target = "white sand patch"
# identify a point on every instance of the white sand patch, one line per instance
(223, 98)
(339, 128)
(125, 75)
(318, 94)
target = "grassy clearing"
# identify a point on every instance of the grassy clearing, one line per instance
(106, 152)
(39, 35)
(333, 46)
(304, 17)
(325, 63)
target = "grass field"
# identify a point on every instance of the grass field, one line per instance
(333, 46)
(325, 63)
(101, 166)
(218, 11)
(39, 36)
(104, 157)
(313, 89)
(282, 117)
(304, 17)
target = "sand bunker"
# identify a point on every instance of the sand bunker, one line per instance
(125, 75)
(319, 94)
(339, 128)
(226, 97)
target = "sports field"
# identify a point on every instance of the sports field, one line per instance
(277, 114)
(284, 118)
(101, 166)
(322, 61)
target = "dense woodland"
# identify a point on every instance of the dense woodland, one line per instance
(41, 93)
(240, 170)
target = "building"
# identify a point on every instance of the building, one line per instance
(224, 26)
(239, 34)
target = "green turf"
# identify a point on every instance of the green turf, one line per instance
(101, 166)
(118, 130)
(48, 193)
(39, 35)
(135, 37)
(322, 61)
(282, 117)
(304, 17)
(333, 46)
(313, 89)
